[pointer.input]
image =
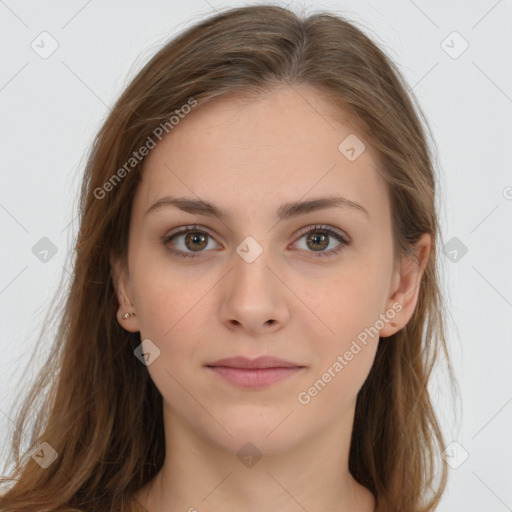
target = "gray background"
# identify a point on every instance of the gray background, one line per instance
(52, 107)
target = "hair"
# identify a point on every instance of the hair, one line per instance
(99, 409)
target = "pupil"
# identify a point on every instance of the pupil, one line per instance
(196, 239)
(318, 239)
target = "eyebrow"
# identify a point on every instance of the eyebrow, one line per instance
(285, 211)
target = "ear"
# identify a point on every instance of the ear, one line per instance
(406, 286)
(121, 282)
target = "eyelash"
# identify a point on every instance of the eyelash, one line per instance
(306, 231)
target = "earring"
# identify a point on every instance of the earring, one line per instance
(127, 315)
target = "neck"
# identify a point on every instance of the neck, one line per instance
(200, 476)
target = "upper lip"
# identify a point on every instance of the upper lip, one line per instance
(259, 362)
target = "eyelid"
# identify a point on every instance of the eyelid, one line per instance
(183, 230)
(324, 227)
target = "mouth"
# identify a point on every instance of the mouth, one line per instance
(254, 373)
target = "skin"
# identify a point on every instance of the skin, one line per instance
(250, 156)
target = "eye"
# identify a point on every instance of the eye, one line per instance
(317, 237)
(195, 240)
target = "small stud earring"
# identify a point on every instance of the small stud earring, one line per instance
(128, 315)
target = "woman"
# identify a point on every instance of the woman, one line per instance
(255, 308)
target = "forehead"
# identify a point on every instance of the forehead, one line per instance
(257, 153)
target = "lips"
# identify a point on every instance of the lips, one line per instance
(254, 373)
(258, 363)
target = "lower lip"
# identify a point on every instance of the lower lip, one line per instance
(254, 378)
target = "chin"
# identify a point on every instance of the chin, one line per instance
(263, 436)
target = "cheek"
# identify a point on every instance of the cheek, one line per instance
(173, 310)
(343, 341)
(345, 326)
(168, 295)
(334, 388)
(347, 300)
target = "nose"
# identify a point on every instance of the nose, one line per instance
(254, 298)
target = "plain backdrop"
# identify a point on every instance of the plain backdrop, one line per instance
(456, 58)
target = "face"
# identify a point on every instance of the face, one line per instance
(302, 287)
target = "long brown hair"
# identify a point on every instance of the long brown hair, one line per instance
(99, 409)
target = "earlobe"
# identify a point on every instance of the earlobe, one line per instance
(406, 287)
(126, 315)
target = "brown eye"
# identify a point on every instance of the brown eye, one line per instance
(318, 238)
(191, 239)
(195, 241)
(317, 241)
(187, 241)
